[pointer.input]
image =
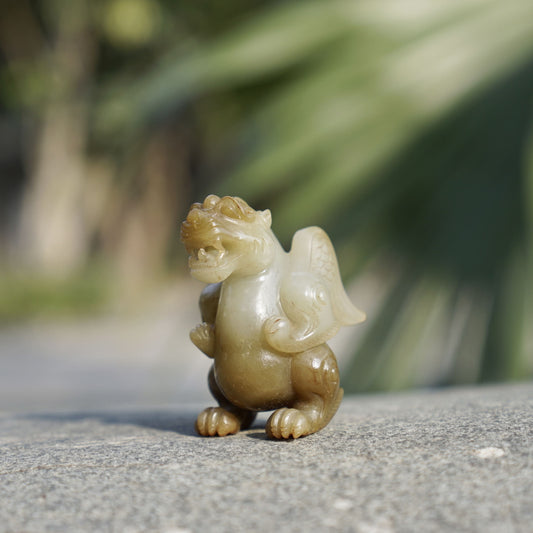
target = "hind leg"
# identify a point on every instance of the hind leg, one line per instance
(224, 420)
(315, 380)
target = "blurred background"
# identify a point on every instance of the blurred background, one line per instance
(404, 129)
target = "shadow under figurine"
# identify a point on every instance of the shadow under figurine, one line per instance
(266, 317)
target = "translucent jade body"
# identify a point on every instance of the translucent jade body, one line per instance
(266, 317)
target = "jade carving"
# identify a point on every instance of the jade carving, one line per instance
(266, 317)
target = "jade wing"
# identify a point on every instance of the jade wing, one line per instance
(312, 296)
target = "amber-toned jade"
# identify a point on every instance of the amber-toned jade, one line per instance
(266, 317)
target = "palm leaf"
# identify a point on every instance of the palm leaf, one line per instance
(401, 128)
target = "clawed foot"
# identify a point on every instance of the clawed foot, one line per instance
(216, 421)
(288, 423)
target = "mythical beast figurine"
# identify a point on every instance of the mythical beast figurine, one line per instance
(267, 315)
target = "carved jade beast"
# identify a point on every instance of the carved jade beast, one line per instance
(266, 317)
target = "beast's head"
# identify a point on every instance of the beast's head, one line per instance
(225, 236)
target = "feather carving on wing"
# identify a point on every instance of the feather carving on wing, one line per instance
(312, 296)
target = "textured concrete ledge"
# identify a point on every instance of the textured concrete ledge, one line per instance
(452, 460)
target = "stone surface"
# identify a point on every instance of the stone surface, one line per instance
(450, 460)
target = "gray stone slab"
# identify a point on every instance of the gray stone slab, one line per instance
(451, 460)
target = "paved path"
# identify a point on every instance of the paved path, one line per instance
(453, 460)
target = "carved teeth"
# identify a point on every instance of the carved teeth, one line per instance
(209, 255)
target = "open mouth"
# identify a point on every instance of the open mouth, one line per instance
(206, 256)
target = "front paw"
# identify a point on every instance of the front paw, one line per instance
(276, 330)
(275, 324)
(203, 337)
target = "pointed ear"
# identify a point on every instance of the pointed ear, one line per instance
(267, 217)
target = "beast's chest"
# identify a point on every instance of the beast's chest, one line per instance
(244, 306)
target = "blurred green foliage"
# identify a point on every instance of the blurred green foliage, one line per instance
(23, 298)
(402, 128)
